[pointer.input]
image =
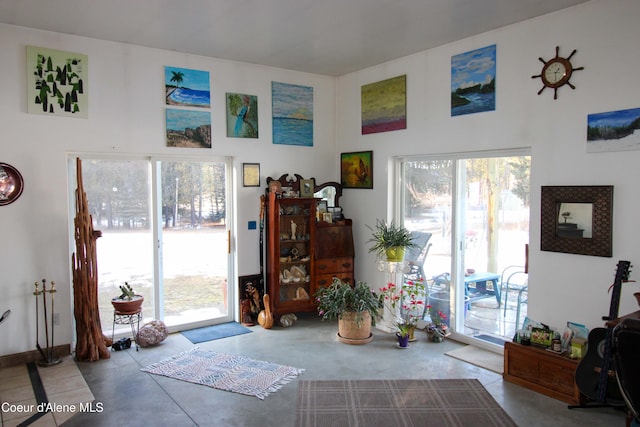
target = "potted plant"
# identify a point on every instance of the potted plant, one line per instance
(128, 301)
(355, 306)
(403, 332)
(390, 240)
(405, 303)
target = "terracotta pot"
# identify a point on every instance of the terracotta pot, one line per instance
(350, 333)
(127, 306)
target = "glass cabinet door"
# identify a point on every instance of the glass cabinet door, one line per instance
(295, 250)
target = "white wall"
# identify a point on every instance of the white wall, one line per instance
(605, 33)
(126, 116)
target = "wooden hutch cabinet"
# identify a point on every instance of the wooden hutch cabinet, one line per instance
(303, 251)
(290, 253)
(334, 252)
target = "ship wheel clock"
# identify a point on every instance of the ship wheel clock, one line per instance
(557, 72)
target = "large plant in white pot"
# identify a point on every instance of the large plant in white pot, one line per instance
(355, 306)
(390, 241)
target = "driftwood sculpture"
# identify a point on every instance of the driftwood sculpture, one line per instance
(91, 343)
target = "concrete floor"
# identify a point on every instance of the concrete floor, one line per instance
(134, 398)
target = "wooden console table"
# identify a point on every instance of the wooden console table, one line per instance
(542, 371)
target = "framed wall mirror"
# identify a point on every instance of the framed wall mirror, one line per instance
(329, 191)
(577, 219)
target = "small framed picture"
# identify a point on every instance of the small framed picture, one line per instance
(252, 289)
(251, 174)
(306, 187)
(322, 206)
(356, 169)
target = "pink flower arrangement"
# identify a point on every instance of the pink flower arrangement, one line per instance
(409, 298)
(437, 316)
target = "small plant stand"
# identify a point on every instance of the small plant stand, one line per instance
(127, 318)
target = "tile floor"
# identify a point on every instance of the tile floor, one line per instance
(65, 387)
(133, 398)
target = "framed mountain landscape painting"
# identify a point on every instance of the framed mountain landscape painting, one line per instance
(613, 131)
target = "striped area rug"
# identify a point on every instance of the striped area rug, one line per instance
(226, 372)
(391, 403)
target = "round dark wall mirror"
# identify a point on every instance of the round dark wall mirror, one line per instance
(11, 184)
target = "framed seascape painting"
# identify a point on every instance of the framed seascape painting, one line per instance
(292, 107)
(473, 81)
(242, 115)
(188, 128)
(384, 105)
(57, 82)
(613, 131)
(187, 88)
(356, 169)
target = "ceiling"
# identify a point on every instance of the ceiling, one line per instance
(328, 37)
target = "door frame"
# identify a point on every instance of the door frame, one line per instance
(156, 215)
(457, 226)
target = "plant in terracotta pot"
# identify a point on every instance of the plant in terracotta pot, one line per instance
(128, 301)
(355, 306)
(390, 240)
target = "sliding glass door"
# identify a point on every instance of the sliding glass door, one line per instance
(477, 211)
(194, 247)
(164, 232)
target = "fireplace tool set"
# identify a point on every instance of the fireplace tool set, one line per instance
(47, 354)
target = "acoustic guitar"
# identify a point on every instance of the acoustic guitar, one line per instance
(595, 373)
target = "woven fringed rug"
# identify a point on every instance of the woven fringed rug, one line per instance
(390, 403)
(227, 372)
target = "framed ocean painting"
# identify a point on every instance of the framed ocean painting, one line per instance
(242, 115)
(384, 105)
(57, 82)
(292, 107)
(188, 128)
(473, 81)
(187, 88)
(613, 131)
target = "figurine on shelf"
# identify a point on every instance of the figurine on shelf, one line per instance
(275, 187)
(294, 226)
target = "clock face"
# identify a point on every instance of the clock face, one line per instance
(555, 72)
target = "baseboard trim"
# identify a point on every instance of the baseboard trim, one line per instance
(32, 356)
